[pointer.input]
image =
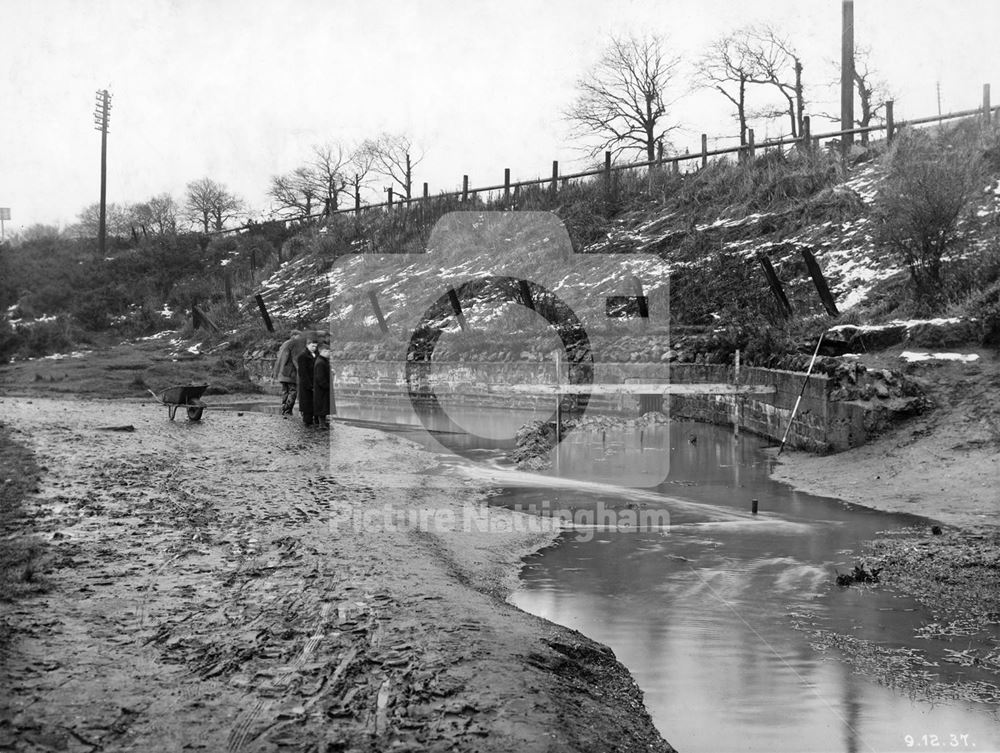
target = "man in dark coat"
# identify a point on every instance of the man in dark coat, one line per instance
(284, 370)
(322, 389)
(305, 365)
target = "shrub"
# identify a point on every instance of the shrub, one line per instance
(40, 338)
(929, 186)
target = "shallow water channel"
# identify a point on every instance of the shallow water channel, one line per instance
(710, 606)
(702, 613)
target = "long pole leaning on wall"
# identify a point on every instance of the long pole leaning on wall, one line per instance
(798, 400)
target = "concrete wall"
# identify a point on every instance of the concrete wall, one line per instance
(821, 424)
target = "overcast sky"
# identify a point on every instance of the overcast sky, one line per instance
(238, 90)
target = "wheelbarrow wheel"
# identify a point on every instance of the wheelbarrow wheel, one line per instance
(194, 413)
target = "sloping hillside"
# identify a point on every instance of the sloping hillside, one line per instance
(699, 234)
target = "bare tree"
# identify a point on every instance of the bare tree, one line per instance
(620, 104)
(776, 63)
(295, 193)
(360, 166)
(871, 90)
(120, 220)
(318, 183)
(210, 204)
(873, 93)
(728, 67)
(328, 171)
(391, 156)
(157, 216)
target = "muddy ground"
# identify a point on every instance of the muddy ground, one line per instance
(209, 585)
(215, 586)
(944, 464)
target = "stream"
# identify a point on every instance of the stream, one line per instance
(712, 608)
(702, 615)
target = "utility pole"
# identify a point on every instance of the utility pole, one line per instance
(102, 114)
(847, 75)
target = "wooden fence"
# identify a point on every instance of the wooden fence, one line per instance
(508, 188)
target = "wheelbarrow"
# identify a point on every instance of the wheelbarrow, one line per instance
(187, 396)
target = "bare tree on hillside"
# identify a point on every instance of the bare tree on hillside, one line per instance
(330, 166)
(157, 216)
(728, 67)
(392, 156)
(294, 194)
(318, 184)
(621, 103)
(775, 63)
(119, 223)
(360, 168)
(211, 205)
(872, 91)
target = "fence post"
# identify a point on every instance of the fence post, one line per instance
(456, 306)
(555, 177)
(751, 147)
(806, 133)
(373, 299)
(389, 189)
(465, 188)
(607, 175)
(704, 150)
(986, 104)
(820, 282)
(425, 191)
(263, 312)
(506, 186)
(775, 284)
(890, 124)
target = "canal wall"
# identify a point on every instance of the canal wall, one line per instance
(821, 423)
(825, 420)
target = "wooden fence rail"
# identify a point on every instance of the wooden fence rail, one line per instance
(508, 187)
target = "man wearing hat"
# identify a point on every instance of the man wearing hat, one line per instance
(285, 372)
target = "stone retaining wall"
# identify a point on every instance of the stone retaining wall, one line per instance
(821, 423)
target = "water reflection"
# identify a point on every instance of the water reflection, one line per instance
(701, 615)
